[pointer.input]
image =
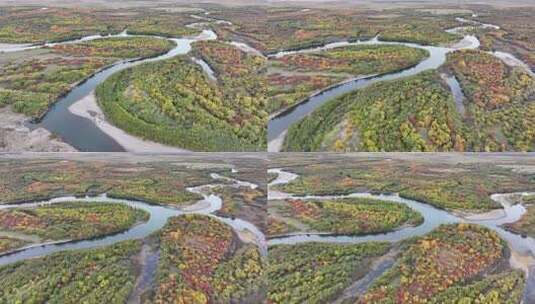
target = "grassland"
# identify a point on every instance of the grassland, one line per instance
(453, 186)
(294, 77)
(7, 244)
(104, 275)
(345, 216)
(438, 266)
(19, 24)
(154, 182)
(273, 29)
(203, 261)
(32, 83)
(317, 272)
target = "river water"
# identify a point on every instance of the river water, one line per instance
(522, 247)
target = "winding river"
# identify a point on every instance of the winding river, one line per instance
(522, 248)
(81, 132)
(208, 205)
(84, 134)
(279, 124)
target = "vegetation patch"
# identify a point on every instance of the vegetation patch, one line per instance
(516, 34)
(505, 287)
(488, 82)
(500, 100)
(120, 47)
(71, 220)
(270, 29)
(244, 203)
(276, 226)
(410, 114)
(346, 216)
(53, 24)
(8, 244)
(526, 224)
(33, 83)
(103, 275)
(317, 272)
(174, 102)
(294, 77)
(158, 183)
(449, 257)
(355, 59)
(203, 261)
(459, 187)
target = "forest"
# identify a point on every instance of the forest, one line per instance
(317, 272)
(438, 265)
(419, 113)
(103, 275)
(294, 77)
(120, 47)
(450, 263)
(174, 102)
(354, 60)
(71, 220)
(488, 82)
(354, 216)
(202, 261)
(194, 258)
(515, 35)
(30, 24)
(500, 100)
(410, 114)
(284, 81)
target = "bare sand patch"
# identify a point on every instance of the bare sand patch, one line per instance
(15, 136)
(87, 107)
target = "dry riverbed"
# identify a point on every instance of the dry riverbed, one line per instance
(15, 136)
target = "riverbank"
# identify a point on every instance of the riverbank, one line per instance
(15, 136)
(87, 107)
(522, 248)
